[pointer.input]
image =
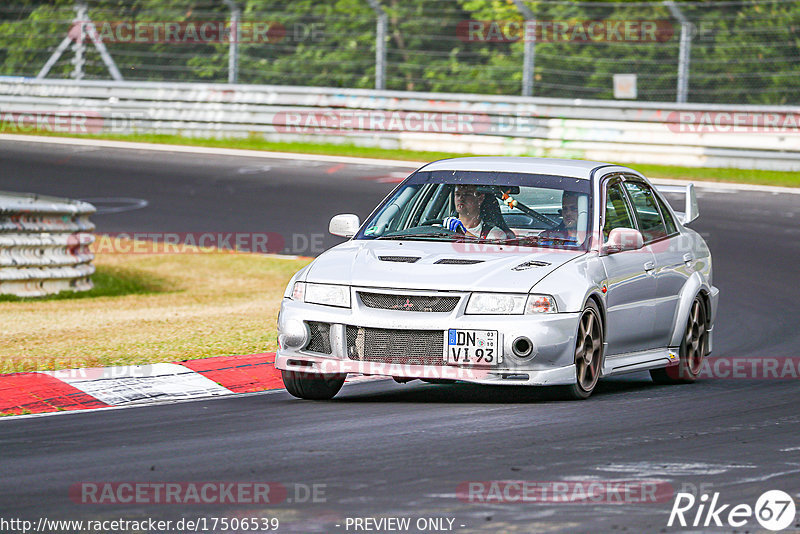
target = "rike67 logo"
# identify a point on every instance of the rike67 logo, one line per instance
(774, 510)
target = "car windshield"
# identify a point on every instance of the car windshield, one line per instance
(495, 207)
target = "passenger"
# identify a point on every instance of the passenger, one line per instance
(568, 228)
(470, 221)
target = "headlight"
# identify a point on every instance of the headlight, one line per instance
(325, 294)
(509, 304)
(495, 304)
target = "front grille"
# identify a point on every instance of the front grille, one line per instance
(320, 338)
(411, 347)
(418, 303)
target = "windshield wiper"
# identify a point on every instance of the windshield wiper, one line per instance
(434, 235)
(532, 239)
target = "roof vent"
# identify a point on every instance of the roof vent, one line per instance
(456, 261)
(399, 259)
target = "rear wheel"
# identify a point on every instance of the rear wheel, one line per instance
(694, 346)
(588, 354)
(312, 387)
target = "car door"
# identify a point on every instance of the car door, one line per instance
(631, 285)
(672, 258)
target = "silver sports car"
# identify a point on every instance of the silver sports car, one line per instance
(514, 271)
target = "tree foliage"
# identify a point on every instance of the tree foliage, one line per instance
(742, 52)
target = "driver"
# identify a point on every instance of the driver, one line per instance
(468, 202)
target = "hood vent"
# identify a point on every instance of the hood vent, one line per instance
(399, 259)
(456, 261)
(529, 265)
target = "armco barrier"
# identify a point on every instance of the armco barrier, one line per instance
(44, 245)
(749, 137)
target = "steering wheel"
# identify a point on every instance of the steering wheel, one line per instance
(431, 222)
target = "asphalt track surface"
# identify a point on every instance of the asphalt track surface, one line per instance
(387, 450)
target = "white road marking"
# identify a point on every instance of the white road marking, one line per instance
(143, 383)
(153, 147)
(671, 468)
(116, 204)
(765, 477)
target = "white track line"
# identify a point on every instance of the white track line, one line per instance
(102, 143)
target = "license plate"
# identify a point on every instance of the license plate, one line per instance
(473, 347)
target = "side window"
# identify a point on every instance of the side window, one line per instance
(668, 220)
(645, 205)
(617, 213)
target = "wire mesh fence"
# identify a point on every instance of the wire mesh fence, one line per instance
(722, 51)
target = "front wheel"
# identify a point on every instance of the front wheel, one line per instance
(312, 386)
(588, 354)
(694, 347)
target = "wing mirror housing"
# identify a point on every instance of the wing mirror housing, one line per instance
(621, 240)
(344, 225)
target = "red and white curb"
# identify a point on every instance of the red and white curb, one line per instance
(105, 387)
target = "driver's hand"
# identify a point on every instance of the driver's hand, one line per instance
(454, 225)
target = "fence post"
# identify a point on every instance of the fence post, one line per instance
(79, 46)
(684, 52)
(529, 47)
(233, 48)
(380, 44)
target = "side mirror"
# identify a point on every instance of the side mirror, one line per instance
(621, 240)
(344, 225)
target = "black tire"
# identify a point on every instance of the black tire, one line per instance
(588, 355)
(694, 346)
(312, 387)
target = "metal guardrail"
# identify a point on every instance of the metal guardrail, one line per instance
(748, 137)
(44, 245)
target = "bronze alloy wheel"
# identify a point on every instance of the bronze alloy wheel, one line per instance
(695, 338)
(694, 347)
(588, 350)
(588, 354)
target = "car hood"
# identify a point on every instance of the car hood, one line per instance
(368, 264)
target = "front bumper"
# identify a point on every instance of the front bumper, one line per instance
(552, 336)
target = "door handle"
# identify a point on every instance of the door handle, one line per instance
(687, 258)
(649, 266)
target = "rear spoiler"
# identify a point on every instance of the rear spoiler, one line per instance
(690, 211)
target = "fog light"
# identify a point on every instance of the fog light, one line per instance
(522, 347)
(293, 334)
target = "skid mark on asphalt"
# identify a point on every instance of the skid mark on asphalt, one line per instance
(392, 178)
(335, 168)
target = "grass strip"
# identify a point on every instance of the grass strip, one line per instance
(150, 308)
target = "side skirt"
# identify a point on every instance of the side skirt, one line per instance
(639, 361)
